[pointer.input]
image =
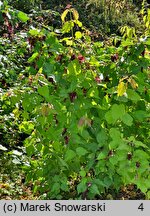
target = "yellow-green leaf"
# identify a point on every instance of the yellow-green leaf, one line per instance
(78, 23)
(64, 14)
(133, 83)
(69, 42)
(33, 57)
(67, 27)
(78, 35)
(122, 87)
(23, 16)
(75, 14)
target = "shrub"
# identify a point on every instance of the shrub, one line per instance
(85, 108)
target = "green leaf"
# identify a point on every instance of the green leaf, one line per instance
(34, 32)
(109, 117)
(127, 43)
(62, 163)
(94, 189)
(116, 138)
(82, 173)
(140, 144)
(101, 138)
(70, 154)
(102, 155)
(30, 150)
(140, 115)
(118, 111)
(81, 151)
(114, 144)
(127, 119)
(108, 181)
(82, 186)
(74, 68)
(55, 187)
(22, 16)
(141, 154)
(44, 91)
(113, 160)
(148, 195)
(48, 68)
(115, 134)
(64, 186)
(134, 96)
(33, 57)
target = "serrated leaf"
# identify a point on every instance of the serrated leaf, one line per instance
(48, 69)
(121, 89)
(22, 16)
(148, 195)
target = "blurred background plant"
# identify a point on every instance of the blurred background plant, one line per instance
(102, 17)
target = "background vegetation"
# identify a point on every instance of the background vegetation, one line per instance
(75, 100)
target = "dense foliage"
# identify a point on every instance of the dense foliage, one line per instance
(102, 17)
(75, 114)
